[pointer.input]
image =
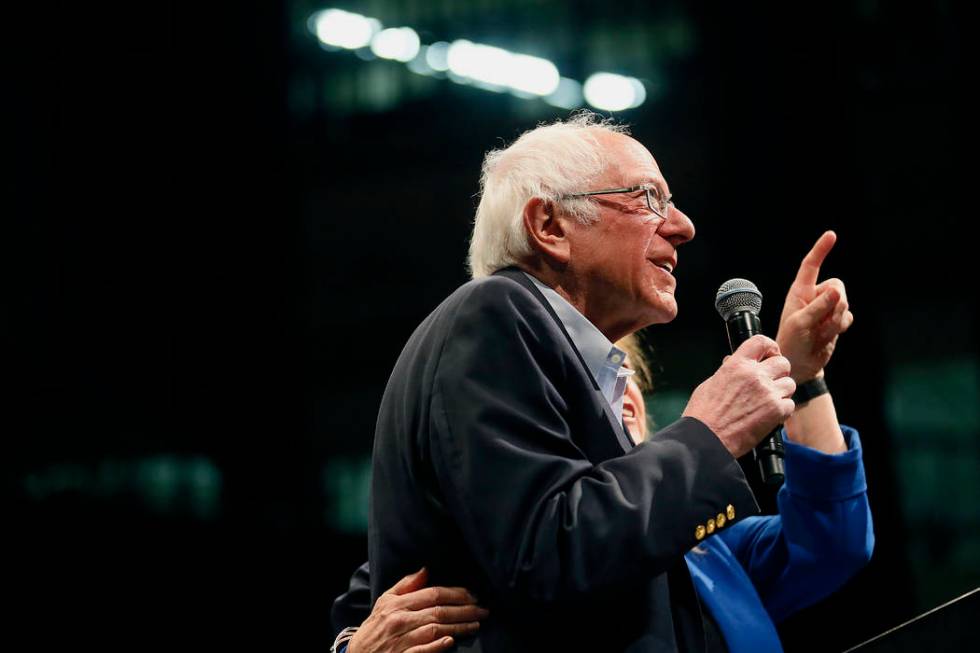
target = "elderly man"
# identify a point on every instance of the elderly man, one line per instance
(501, 462)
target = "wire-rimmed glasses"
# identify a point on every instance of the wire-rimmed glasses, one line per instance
(659, 205)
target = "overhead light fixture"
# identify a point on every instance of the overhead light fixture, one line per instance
(500, 69)
(484, 66)
(614, 92)
(344, 29)
(397, 43)
(437, 56)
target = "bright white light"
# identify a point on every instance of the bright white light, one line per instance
(612, 92)
(568, 95)
(483, 66)
(437, 56)
(345, 29)
(533, 75)
(496, 67)
(398, 43)
(639, 91)
(482, 63)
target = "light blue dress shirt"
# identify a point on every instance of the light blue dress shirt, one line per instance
(605, 361)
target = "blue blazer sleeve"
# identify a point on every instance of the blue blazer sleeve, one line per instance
(821, 537)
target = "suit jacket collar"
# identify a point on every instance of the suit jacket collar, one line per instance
(516, 274)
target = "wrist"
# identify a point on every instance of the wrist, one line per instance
(344, 640)
(806, 376)
(810, 389)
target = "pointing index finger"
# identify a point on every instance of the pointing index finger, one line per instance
(810, 267)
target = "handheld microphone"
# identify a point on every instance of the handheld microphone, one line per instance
(739, 302)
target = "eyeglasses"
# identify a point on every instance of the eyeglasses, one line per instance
(660, 206)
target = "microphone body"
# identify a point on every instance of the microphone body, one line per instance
(739, 302)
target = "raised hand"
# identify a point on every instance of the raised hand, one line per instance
(747, 397)
(814, 315)
(413, 618)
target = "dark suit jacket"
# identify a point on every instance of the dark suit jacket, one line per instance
(498, 465)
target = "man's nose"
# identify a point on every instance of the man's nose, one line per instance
(678, 228)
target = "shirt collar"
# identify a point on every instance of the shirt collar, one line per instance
(595, 348)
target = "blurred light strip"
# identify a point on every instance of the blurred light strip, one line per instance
(344, 29)
(503, 69)
(484, 66)
(614, 92)
(396, 43)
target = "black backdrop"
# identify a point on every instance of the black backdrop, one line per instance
(197, 269)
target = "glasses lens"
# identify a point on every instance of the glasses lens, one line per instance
(658, 205)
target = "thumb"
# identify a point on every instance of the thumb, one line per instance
(822, 306)
(757, 348)
(411, 583)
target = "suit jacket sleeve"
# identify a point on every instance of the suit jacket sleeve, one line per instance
(354, 606)
(543, 521)
(821, 537)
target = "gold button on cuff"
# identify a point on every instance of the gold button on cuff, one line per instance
(720, 520)
(711, 526)
(730, 511)
(699, 533)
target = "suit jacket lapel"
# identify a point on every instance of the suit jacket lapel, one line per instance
(622, 436)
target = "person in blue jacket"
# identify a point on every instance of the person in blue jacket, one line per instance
(750, 574)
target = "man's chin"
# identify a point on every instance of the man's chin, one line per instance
(664, 310)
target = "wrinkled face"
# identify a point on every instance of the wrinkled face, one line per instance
(624, 262)
(634, 412)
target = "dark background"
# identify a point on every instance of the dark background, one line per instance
(221, 234)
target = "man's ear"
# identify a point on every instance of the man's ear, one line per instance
(546, 230)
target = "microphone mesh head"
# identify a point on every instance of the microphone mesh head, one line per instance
(736, 295)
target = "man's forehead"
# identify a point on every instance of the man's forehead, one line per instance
(630, 162)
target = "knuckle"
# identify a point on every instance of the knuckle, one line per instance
(398, 619)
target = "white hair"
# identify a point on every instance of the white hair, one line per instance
(547, 162)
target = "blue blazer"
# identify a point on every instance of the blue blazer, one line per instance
(762, 569)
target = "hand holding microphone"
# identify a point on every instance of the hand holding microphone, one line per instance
(748, 399)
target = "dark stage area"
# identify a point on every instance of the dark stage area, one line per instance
(220, 231)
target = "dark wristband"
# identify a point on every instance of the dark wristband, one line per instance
(807, 391)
